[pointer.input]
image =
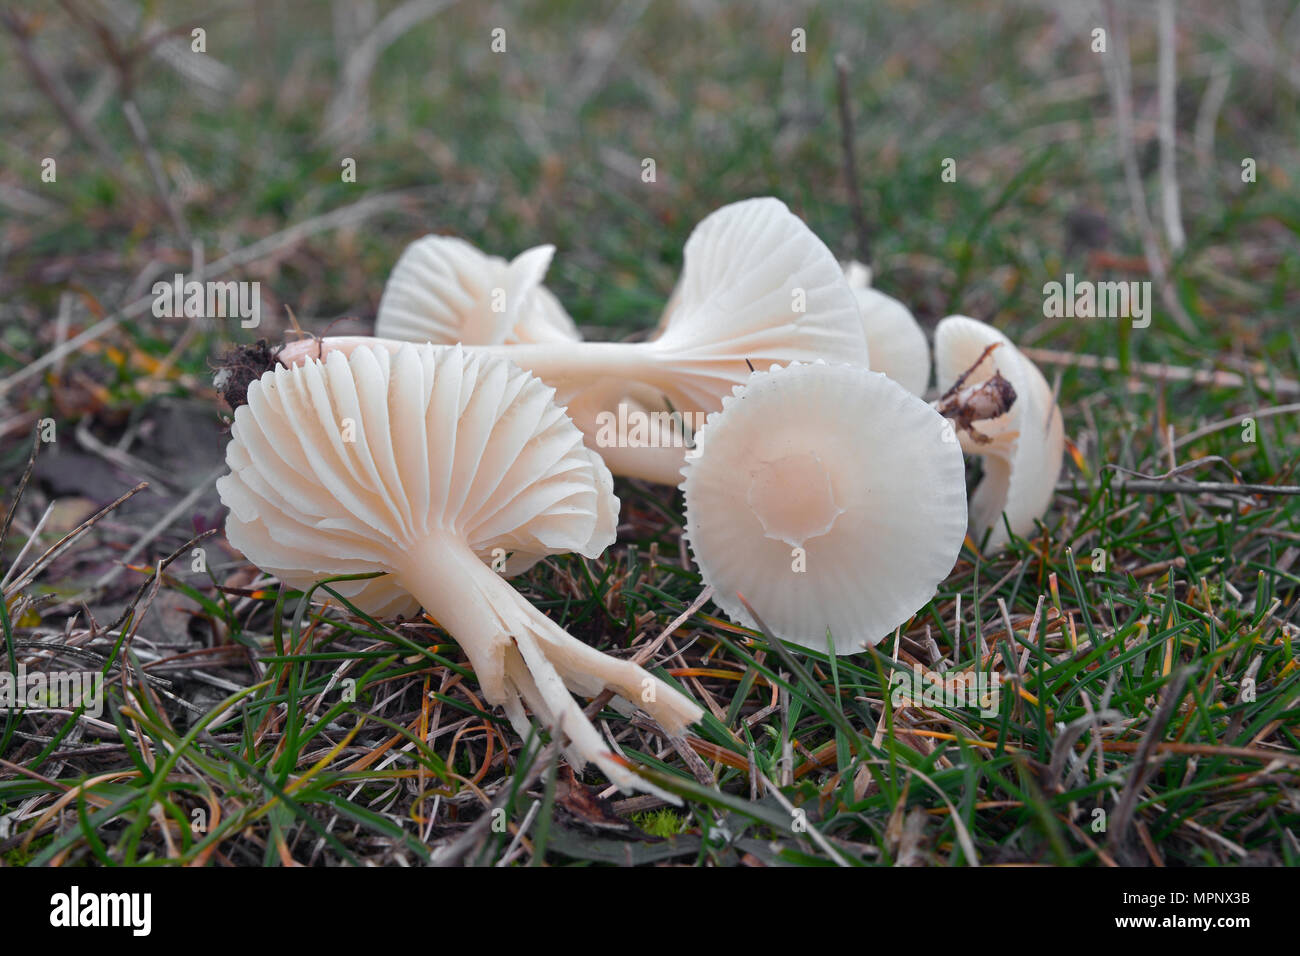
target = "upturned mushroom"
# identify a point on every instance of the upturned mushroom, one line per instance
(425, 464)
(1004, 412)
(894, 339)
(445, 291)
(828, 497)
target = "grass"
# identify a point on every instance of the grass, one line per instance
(1150, 700)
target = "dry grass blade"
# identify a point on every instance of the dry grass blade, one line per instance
(18, 493)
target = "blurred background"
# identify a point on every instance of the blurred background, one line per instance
(544, 142)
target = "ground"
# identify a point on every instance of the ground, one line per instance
(1145, 633)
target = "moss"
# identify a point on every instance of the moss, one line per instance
(660, 823)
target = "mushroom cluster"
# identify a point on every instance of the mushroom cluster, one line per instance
(825, 498)
(757, 288)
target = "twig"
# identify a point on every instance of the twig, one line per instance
(850, 165)
(1227, 423)
(61, 324)
(603, 51)
(347, 110)
(647, 652)
(124, 61)
(213, 78)
(1117, 73)
(1176, 470)
(1187, 488)
(141, 136)
(1217, 378)
(694, 762)
(1207, 117)
(1209, 750)
(1170, 205)
(150, 586)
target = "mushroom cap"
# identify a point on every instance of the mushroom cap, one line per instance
(1023, 460)
(443, 441)
(894, 337)
(444, 290)
(847, 465)
(748, 268)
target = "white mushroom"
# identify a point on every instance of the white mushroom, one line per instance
(894, 338)
(426, 464)
(445, 291)
(828, 497)
(1022, 447)
(757, 288)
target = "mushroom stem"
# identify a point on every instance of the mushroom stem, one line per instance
(567, 367)
(662, 466)
(522, 656)
(660, 460)
(582, 362)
